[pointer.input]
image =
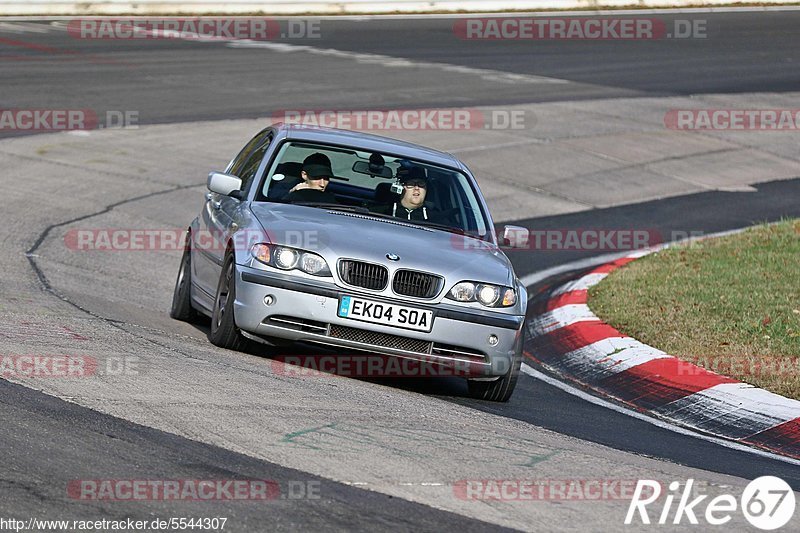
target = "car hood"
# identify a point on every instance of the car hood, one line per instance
(340, 234)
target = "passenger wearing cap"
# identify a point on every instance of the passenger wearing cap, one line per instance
(412, 205)
(316, 174)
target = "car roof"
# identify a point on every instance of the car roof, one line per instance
(366, 142)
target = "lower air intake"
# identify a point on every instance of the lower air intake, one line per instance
(373, 338)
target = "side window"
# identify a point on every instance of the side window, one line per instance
(238, 163)
(250, 166)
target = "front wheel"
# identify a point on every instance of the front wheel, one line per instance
(224, 332)
(501, 389)
(182, 295)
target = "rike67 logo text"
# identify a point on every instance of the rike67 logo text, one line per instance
(767, 503)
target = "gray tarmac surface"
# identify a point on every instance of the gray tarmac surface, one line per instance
(181, 81)
(388, 453)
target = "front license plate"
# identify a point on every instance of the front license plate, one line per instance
(386, 314)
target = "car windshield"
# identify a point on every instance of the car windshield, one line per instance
(379, 185)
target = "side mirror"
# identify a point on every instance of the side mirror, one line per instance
(515, 237)
(224, 184)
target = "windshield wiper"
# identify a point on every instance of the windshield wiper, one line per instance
(365, 211)
(425, 223)
(385, 216)
(336, 207)
(438, 225)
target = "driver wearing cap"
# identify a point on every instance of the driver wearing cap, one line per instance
(316, 174)
(411, 205)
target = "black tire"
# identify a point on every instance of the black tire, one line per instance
(224, 332)
(499, 390)
(182, 295)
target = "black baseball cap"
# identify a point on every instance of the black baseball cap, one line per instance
(415, 173)
(317, 165)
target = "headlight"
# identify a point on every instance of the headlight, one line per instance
(488, 295)
(463, 292)
(312, 263)
(287, 258)
(485, 293)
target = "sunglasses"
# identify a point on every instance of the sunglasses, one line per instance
(412, 184)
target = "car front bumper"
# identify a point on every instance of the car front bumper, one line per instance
(302, 310)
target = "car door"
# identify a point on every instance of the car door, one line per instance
(220, 216)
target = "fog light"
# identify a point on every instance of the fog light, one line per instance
(269, 299)
(493, 340)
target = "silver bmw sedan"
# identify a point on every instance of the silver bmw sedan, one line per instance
(358, 242)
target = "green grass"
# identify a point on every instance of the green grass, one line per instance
(731, 305)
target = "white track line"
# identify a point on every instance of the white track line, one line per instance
(650, 420)
(392, 61)
(23, 27)
(581, 284)
(536, 277)
(374, 59)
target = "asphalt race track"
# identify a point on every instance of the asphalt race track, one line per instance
(355, 454)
